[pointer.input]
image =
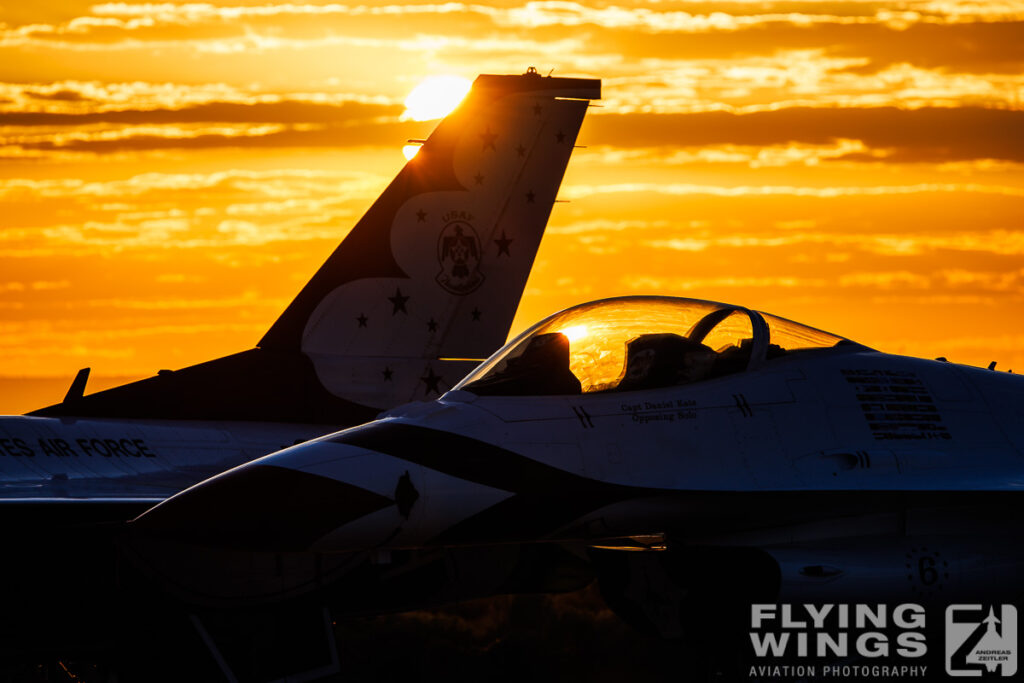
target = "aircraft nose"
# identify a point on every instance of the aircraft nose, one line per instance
(259, 507)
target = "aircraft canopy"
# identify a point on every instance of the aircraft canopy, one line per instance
(639, 342)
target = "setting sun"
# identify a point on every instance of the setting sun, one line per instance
(435, 97)
(575, 333)
(410, 150)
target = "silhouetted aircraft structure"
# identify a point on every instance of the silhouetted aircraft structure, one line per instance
(424, 286)
(748, 458)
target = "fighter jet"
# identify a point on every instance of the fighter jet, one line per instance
(426, 282)
(749, 458)
(424, 286)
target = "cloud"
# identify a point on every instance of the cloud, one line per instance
(225, 215)
(968, 36)
(581, 191)
(58, 95)
(180, 278)
(723, 16)
(984, 47)
(283, 111)
(885, 280)
(33, 333)
(775, 137)
(261, 137)
(248, 299)
(1001, 242)
(919, 135)
(801, 78)
(78, 97)
(242, 182)
(94, 117)
(751, 156)
(650, 283)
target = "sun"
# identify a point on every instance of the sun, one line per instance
(576, 332)
(435, 97)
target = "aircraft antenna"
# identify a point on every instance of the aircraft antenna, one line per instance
(77, 388)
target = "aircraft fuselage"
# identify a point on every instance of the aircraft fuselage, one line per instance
(841, 443)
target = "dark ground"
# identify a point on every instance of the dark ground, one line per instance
(535, 638)
(522, 639)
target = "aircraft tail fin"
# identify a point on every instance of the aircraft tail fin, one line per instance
(429, 277)
(436, 267)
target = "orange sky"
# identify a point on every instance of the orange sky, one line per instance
(172, 173)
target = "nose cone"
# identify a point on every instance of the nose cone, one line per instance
(259, 507)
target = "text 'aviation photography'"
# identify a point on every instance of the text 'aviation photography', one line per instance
(550, 341)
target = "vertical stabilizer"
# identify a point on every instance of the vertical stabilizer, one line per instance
(433, 272)
(436, 267)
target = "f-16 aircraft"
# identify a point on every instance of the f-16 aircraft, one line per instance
(424, 286)
(748, 457)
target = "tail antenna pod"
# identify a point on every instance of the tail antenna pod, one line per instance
(532, 71)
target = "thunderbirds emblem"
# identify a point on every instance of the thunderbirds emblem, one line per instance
(458, 252)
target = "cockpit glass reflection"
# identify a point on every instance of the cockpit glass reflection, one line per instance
(636, 343)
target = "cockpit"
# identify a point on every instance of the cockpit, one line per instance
(640, 342)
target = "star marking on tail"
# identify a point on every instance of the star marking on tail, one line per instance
(503, 243)
(387, 372)
(431, 381)
(488, 138)
(398, 302)
(362, 320)
(476, 313)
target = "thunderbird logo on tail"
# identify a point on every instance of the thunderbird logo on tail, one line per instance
(458, 252)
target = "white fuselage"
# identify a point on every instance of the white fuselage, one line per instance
(797, 458)
(45, 458)
(845, 420)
